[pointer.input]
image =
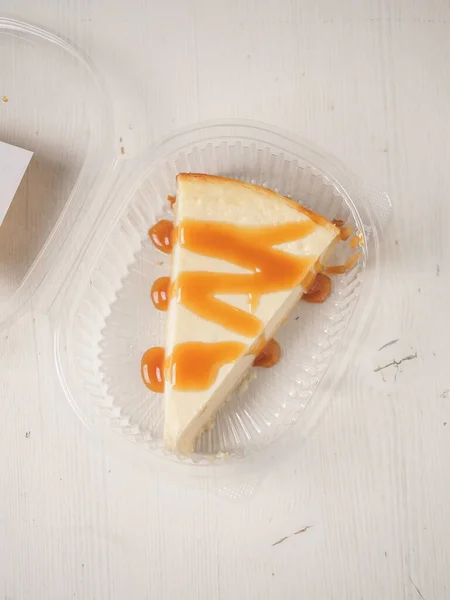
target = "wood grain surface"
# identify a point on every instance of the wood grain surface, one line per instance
(360, 510)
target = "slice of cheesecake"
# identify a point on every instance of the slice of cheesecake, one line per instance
(240, 255)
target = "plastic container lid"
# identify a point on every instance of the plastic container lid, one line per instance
(52, 103)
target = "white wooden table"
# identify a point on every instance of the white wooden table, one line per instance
(368, 80)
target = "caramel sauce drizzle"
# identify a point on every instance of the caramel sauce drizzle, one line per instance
(345, 232)
(152, 369)
(253, 302)
(172, 200)
(269, 355)
(340, 269)
(319, 291)
(310, 278)
(161, 235)
(355, 241)
(160, 293)
(194, 366)
(247, 247)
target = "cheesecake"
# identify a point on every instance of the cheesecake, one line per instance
(242, 256)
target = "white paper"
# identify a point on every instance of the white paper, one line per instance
(13, 164)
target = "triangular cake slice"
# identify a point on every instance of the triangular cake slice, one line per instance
(240, 256)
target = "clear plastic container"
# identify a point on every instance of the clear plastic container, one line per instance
(51, 102)
(108, 320)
